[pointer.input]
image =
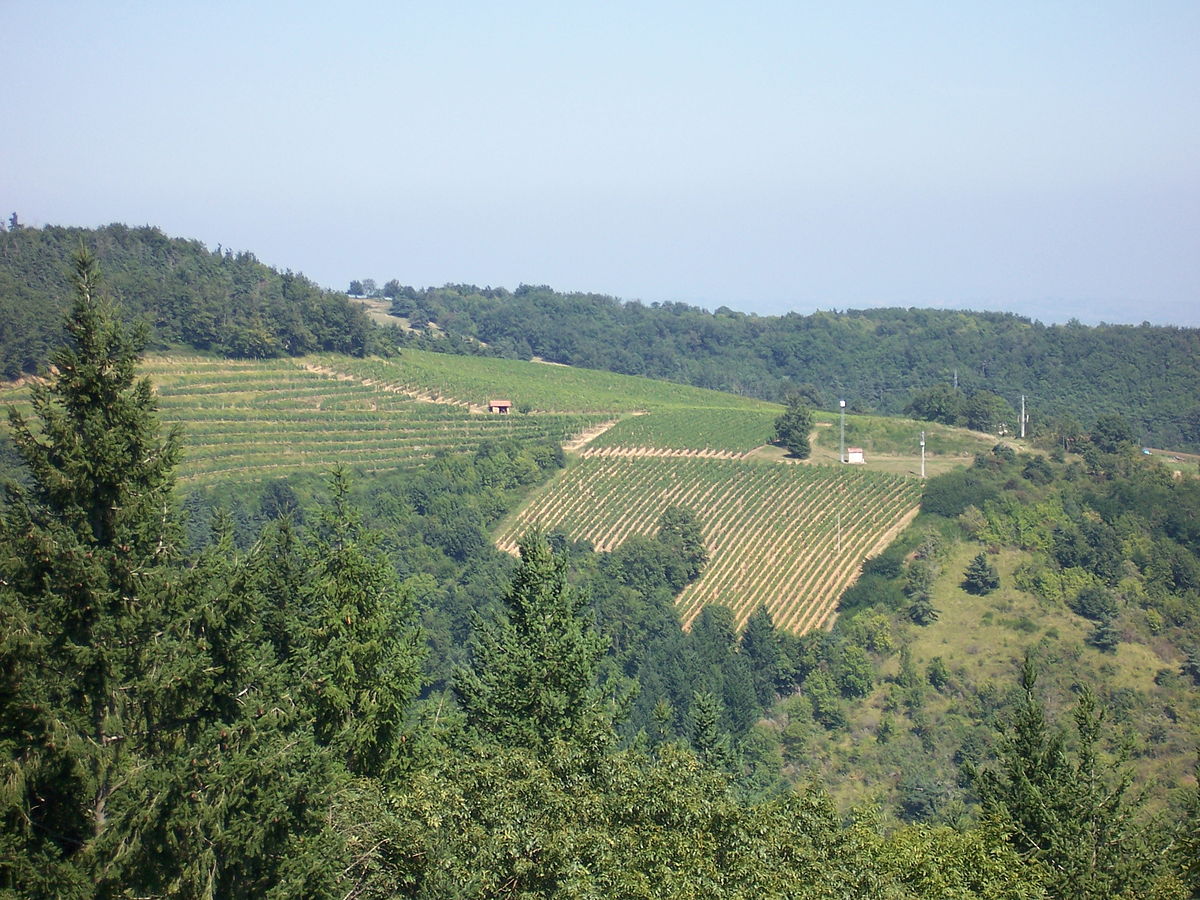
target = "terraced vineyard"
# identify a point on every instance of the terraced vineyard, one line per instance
(787, 537)
(249, 420)
(246, 420)
(473, 380)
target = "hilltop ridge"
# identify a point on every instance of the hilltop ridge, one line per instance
(878, 360)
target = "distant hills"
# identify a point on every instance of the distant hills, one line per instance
(878, 360)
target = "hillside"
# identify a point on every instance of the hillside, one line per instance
(787, 537)
(173, 669)
(784, 536)
(879, 360)
(1096, 579)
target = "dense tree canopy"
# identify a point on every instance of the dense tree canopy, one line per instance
(215, 301)
(531, 681)
(173, 725)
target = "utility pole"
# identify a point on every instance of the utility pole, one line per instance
(922, 454)
(842, 446)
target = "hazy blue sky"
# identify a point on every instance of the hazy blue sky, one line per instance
(1040, 157)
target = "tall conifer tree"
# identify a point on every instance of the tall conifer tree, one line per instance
(362, 662)
(82, 593)
(1067, 812)
(532, 679)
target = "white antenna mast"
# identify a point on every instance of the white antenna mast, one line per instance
(1022, 417)
(922, 454)
(842, 447)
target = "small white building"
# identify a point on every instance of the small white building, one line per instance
(855, 455)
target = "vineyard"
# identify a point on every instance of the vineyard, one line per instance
(729, 431)
(249, 420)
(784, 536)
(474, 380)
(790, 538)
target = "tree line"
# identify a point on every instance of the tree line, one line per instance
(214, 301)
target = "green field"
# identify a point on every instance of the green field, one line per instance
(894, 437)
(790, 538)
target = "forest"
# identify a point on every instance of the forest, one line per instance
(215, 301)
(340, 688)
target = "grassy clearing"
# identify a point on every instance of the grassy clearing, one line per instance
(989, 635)
(983, 640)
(894, 445)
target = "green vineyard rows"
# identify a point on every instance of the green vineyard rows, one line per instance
(474, 380)
(772, 531)
(249, 420)
(734, 430)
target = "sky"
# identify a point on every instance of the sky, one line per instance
(1040, 157)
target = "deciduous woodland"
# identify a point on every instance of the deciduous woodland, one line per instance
(321, 626)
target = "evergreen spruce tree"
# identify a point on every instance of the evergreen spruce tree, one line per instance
(713, 745)
(236, 797)
(531, 680)
(1191, 665)
(922, 611)
(760, 648)
(1105, 636)
(683, 546)
(84, 594)
(151, 736)
(1067, 813)
(793, 426)
(362, 663)
(981, 577)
